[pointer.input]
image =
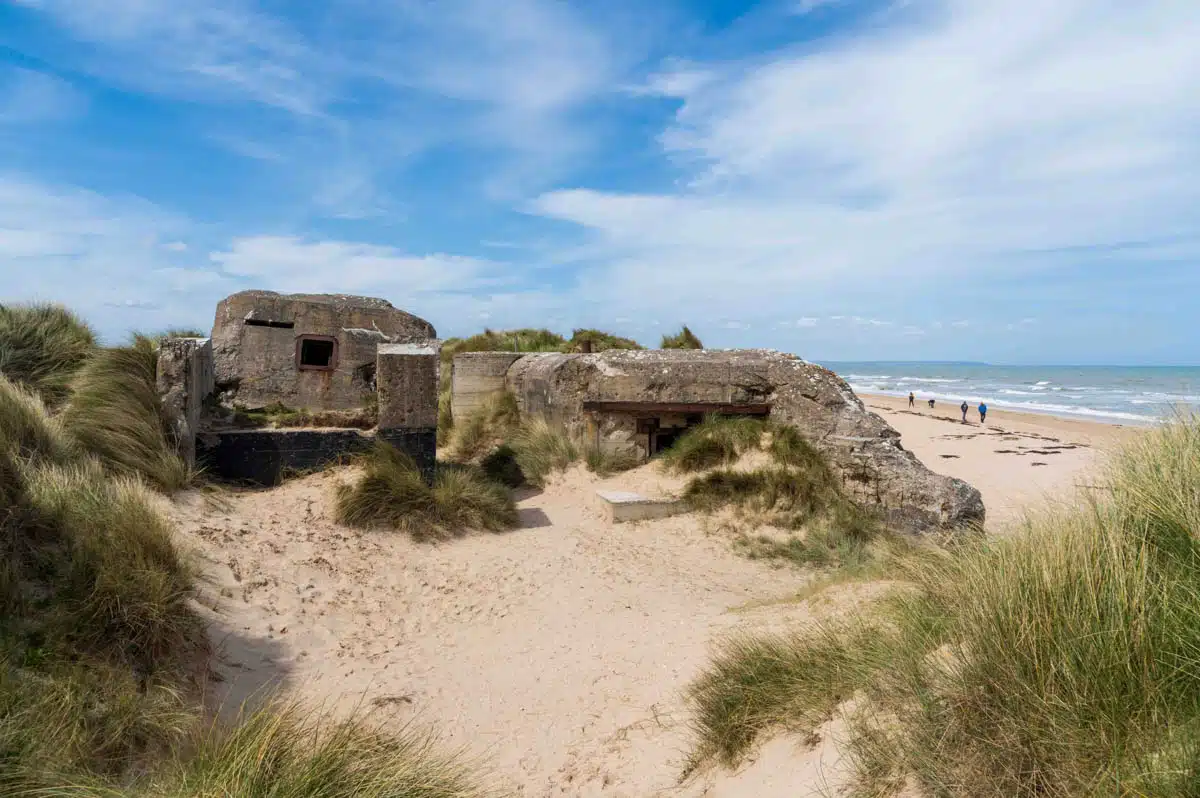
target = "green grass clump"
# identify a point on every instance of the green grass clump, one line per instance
(600, 341)
(85, 725)
(540, 448)
(500, 465)
(755, 684)
(393, 493)
(718, 440)
(115, 413)
(606, 462)
(279, 416)
(523, 340)
(494, 421)
(42, 346)
(120, 588)
(684, 339)
(445, 418)
(1063, 661)
(284, 750)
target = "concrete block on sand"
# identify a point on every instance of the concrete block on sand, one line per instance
(625, 506)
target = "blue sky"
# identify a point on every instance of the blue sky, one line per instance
(845, 179)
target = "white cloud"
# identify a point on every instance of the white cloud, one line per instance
(998, 135)
(912, 330)
(960, 324)
(175, 246)
(293, 264)
(100, 255)
(861, 322)
(807, 321)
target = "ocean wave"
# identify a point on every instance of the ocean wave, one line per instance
(1045, 408)
(935, 380)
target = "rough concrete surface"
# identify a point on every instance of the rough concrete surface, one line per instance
(875, 469)
(184, 380)
(257, 338)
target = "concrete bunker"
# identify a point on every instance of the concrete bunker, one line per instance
(319, 353)
(305, 351)
(641, 401)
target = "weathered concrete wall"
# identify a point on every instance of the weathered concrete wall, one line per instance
(860, 445)
(185, 381)
(475, 377)
(255, 345)
(407, 381)
(267, 456)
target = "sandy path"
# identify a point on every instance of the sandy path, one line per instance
(557, 652)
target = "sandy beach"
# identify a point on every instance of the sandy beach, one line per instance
(557, 654)
(1016, 460)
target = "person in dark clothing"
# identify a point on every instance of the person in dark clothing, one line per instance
(930, 404)
(912, 400)
(982, 413)
(964, 407)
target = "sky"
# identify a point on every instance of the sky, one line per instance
(1009, 181)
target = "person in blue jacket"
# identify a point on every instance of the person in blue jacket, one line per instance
(982, 412)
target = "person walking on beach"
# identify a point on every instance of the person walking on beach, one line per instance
(982, 412)
(964, 407)
(912, 400)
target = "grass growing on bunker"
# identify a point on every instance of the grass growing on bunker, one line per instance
(684, 339)
(796, 493)
(1062, 661)
(393, 493)
(492, 422)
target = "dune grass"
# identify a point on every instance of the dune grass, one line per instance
(393, 493)
(445, 417)
(115, 413)
(287, 751)
(797, 493)
(1060, 662)
(684, 339)
(599, 340)
(716, 441)
(605, 462)
(42, 346)
(541, 448)
(493, 422)
(279, 416)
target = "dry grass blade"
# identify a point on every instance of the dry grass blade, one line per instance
(42, 346)
(115, 413)
(393, 493)
(1064, 661)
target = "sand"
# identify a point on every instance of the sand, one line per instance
(556, 654)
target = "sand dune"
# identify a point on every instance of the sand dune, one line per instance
(558, 652)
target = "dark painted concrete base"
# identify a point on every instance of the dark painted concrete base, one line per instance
(266, 456)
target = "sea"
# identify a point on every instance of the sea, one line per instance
(1116, 394)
